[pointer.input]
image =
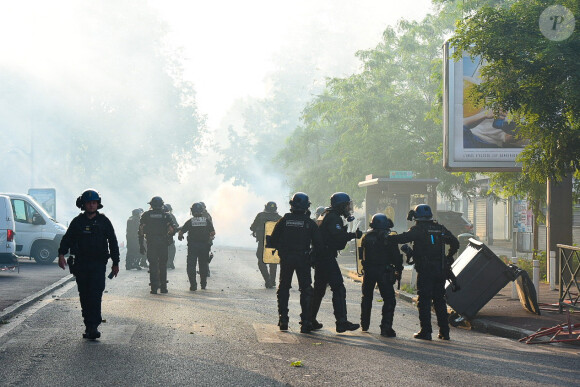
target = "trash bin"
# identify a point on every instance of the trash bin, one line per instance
(480, 276)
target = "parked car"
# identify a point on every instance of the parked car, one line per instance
(37, 235)
(455, 222)
(8, 258)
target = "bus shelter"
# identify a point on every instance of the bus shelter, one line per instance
(394, 197)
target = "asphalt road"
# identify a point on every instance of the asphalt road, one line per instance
(227, 335)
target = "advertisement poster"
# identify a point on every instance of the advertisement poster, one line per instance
(523, 217)
(474, 138)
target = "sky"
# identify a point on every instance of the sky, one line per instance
(229, 49)
(220, 37)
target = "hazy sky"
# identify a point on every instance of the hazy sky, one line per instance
(219, 36)
(229, 47)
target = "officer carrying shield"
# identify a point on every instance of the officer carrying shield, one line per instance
(382, 265)
(156, 227)
(326, 269)
(429, 239)
(269, 214)
(292, 236)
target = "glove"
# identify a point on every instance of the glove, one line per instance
(398, 275)
(449, 259)
(358, 233)
(142, 250)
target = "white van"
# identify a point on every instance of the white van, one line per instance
(8, 258)
(37, 234)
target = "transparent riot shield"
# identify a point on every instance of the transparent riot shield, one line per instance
(269, 255)
(359, 256)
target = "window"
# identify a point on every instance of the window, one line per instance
(23, 212)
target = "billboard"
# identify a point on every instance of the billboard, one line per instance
(473, 138)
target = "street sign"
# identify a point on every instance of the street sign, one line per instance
(401, 174)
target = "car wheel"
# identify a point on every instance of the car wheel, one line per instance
(44, 252)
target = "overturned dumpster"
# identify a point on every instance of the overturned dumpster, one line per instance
(480, 276)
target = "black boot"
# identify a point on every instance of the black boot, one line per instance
(388, 331)
(422, 335)
(92, 333)
(343, 326)
(283, 323)
(316, 325)
(443, 334)
(306, 327)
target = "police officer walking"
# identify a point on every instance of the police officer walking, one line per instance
(91, 240)
(326, 269)
(156, 227)
(292, 237)
(269, 214)
(382, 265)
(133, 256)
(200, 233)
(429, 239)
(171, 250)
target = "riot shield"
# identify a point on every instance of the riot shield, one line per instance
(359, 256)
(269, 255)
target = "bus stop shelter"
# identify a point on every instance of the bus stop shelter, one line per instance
(396, 196)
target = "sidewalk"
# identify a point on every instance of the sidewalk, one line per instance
(501, 316)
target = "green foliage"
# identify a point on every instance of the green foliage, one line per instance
(536, 79)
(407, 288)
(385, 118)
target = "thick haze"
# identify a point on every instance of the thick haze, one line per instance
(132, 98)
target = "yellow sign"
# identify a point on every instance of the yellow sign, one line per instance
(269, 255)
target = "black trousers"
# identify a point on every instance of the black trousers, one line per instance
(197, 253)
(268, 275)
(327, 272)
(90, 278)
(373, 276)
(157, 257)
(288, 265)
(431, 289)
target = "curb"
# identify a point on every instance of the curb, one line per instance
(13, 309)
(478, 325)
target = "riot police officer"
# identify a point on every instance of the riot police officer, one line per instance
(91, 240)
(133, 256)
(382, 265)
(171, 250)
(326, 269)
(269, 214)
(318, 214)
(429, 239)
(292, 237)
(200, 233)
(156, 226)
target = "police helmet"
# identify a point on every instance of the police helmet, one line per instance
(271, 207)
(319, 211)
(203, 205)
(137, 212)
(167, 207)
(381, 222)
(340, 202)
(422, 212)
(299, 202)
(87, 196)
(156, 202)
(196, 209)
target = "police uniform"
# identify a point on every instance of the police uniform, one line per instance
(155, 227)
(133, 256)
(381, 261)
(258, 231)
(327, 272)
(91, 242)
(292, 237)
(429, 239)
(199, 231)
(171, 250)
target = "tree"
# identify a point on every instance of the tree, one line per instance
(384, 118)
(535, 79)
